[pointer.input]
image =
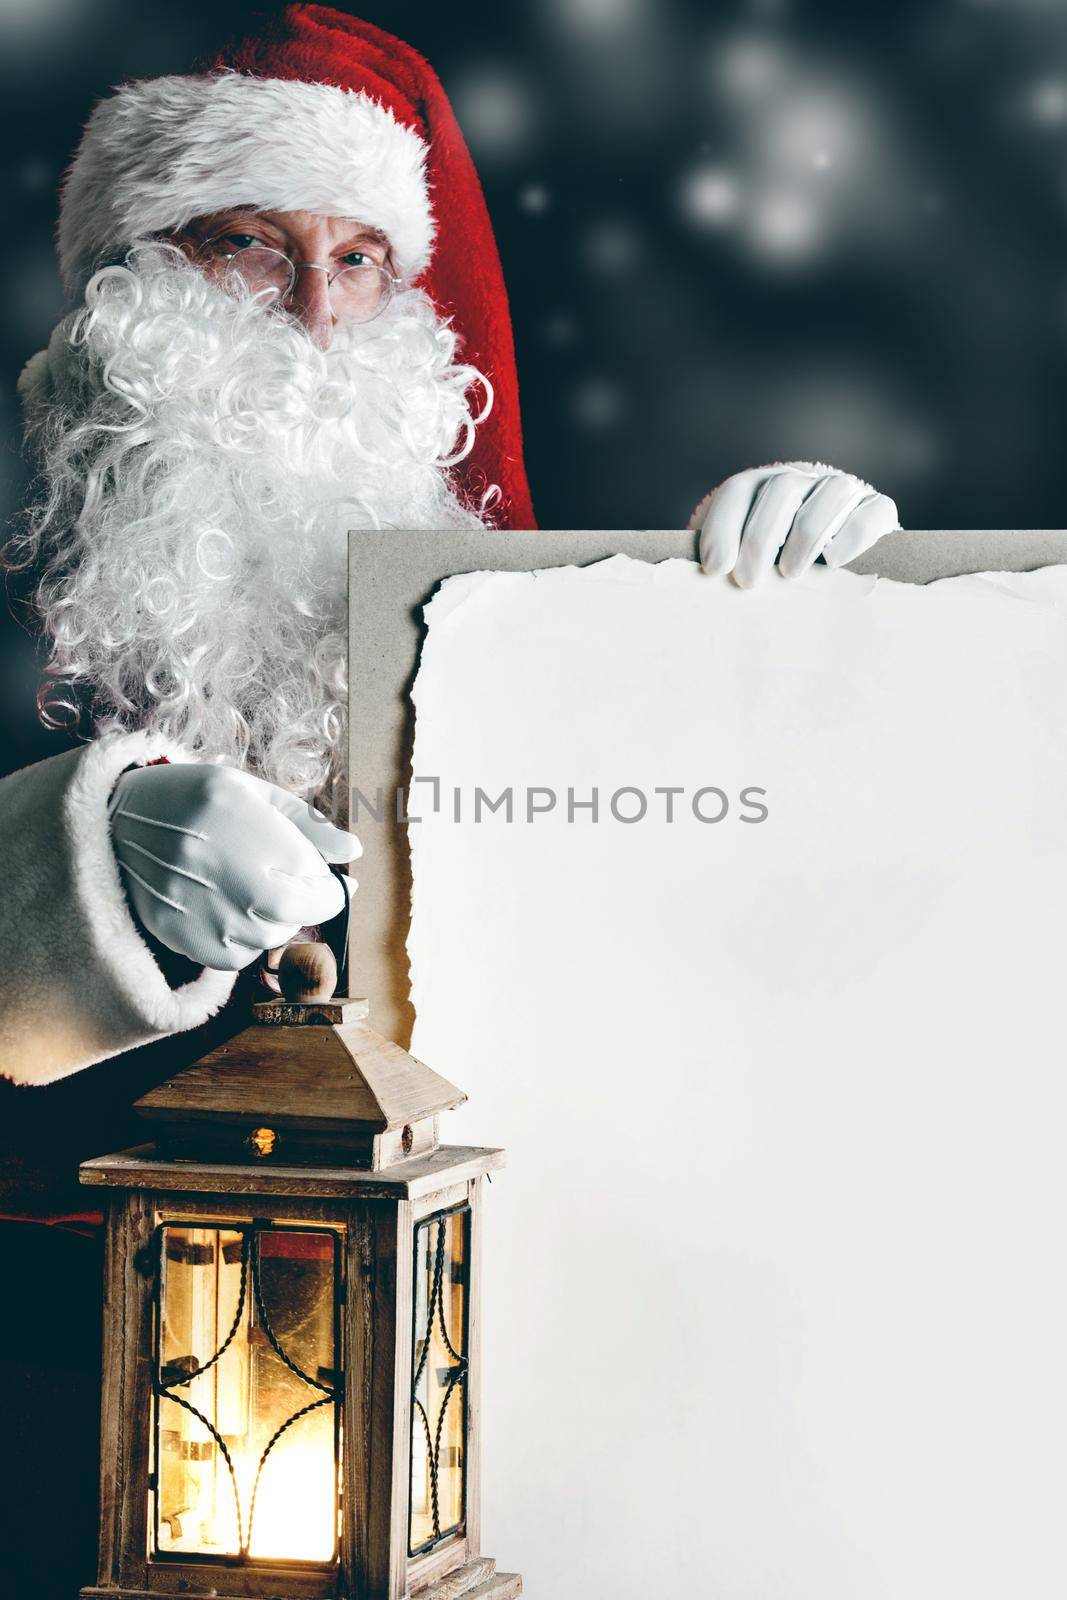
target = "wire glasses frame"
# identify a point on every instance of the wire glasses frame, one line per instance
(357, 294)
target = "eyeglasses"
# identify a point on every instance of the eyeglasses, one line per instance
(358, 293)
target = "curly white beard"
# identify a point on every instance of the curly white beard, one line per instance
(201, 462)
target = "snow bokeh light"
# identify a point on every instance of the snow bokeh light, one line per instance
(597, 404)
(612, 247)
(496, 111)
(808, 159)
(709, 196)
(599, 17)
(1046, 102)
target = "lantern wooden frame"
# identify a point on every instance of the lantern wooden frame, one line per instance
(376, 1210)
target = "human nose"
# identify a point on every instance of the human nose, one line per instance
(309, 303)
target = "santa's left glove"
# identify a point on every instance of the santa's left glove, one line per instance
(791, 513)
(219, 865)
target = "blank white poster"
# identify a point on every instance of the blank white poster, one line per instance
(775, 1298)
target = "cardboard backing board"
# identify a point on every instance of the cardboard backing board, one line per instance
(391, 577)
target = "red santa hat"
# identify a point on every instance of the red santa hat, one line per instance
(319, 112)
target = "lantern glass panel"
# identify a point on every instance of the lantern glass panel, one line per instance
(247, 1393)
(439, 1378)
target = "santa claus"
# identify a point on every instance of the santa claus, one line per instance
(290, 321)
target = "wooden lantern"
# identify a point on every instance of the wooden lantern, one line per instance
(291, 1342)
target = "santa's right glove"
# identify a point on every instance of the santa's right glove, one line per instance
(219, 865)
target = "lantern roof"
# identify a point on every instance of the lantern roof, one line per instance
(311, 1080)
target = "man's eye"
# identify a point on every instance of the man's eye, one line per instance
(356, 258)
(240, 241)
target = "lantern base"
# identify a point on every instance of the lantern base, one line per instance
(476, 1580)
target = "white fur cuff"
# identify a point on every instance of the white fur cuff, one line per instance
(80, 983)
(102, 898)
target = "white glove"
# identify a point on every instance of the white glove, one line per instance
(219, 865)
(799, 508)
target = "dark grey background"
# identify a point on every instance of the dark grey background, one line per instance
(731, 232)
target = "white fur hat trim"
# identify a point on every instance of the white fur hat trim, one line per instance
(160, 152)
